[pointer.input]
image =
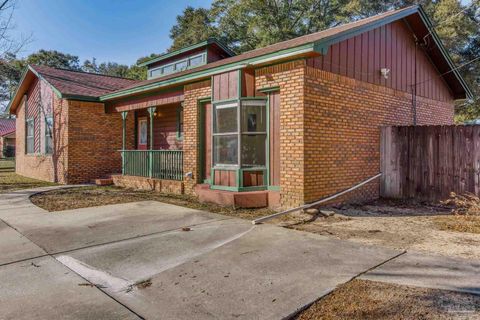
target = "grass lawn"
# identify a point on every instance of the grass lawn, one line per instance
(10, 181)
(83, 197)
(361, 299)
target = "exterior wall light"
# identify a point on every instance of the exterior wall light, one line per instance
(385, 72)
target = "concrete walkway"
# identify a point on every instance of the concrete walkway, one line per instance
(158, 261)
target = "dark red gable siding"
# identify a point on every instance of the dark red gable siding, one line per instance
(391, 46)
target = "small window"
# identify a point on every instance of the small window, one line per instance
(197, 60)
(168, 69)
(49, 135)
(182, 65)
(30, 140)
(155, 72)
(180, 123)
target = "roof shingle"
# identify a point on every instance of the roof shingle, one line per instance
(79, 83)
(7, 126)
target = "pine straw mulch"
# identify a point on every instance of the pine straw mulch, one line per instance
(363, 299)
(92, 196)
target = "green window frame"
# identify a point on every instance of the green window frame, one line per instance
(180, 127)
(30, 136)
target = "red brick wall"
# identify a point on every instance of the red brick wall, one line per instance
(329, 136)
(290, 77)
(342, 136)
(94, 138)
(191, 119)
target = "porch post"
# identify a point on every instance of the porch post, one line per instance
(124, 139)
(151, 111)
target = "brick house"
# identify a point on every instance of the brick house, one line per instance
(279, 126)
(7, 136)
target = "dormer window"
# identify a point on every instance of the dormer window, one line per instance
(179, 65)
(187, 58)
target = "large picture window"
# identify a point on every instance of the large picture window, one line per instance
(225, 134)
(30, 139)
(49, 135)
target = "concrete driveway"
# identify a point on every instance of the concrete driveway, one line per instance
(158, 261)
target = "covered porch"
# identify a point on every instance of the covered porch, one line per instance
(152, 143)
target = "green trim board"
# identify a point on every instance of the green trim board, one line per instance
(186, 49)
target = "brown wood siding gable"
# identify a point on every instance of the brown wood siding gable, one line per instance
(391, 46)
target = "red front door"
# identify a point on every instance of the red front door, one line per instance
(142, 134)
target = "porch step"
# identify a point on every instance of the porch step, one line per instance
(249, 199)
(103, 181)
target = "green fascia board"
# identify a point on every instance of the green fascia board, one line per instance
(57, 92)
(444, 52)
(208, 72)
(182, 50)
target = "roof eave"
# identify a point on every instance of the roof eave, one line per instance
(444, 52)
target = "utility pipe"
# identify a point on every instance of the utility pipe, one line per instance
(306, 206)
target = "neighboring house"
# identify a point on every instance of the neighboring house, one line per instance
(7, 137)
(278, 126)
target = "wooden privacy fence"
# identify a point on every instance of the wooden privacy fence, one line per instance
(429, 162)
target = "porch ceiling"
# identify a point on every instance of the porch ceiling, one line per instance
(142, 102)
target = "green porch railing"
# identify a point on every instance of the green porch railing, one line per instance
(160, 164)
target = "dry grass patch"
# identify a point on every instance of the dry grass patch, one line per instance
(10, 181)
(75, 198)
(362, 299)
(457, 223)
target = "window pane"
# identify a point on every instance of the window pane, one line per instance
(168, 69)
(143, 132)
(195, 61)
(156, 72)
(179, 66)
(253, 118)
(30, 145)
(48, 135)
(30, 126)
(253, 149)
(225, 119)
(225, 149)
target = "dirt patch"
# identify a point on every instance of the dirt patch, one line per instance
(363, 299)
(59, 200)
(10, 181)
(400, 225)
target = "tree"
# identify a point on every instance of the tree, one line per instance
(55, 59)
(193, 26)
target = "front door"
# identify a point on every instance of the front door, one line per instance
(142, 133)
(207, 141)
(274, 109)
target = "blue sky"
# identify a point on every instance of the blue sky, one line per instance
(109, 30)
